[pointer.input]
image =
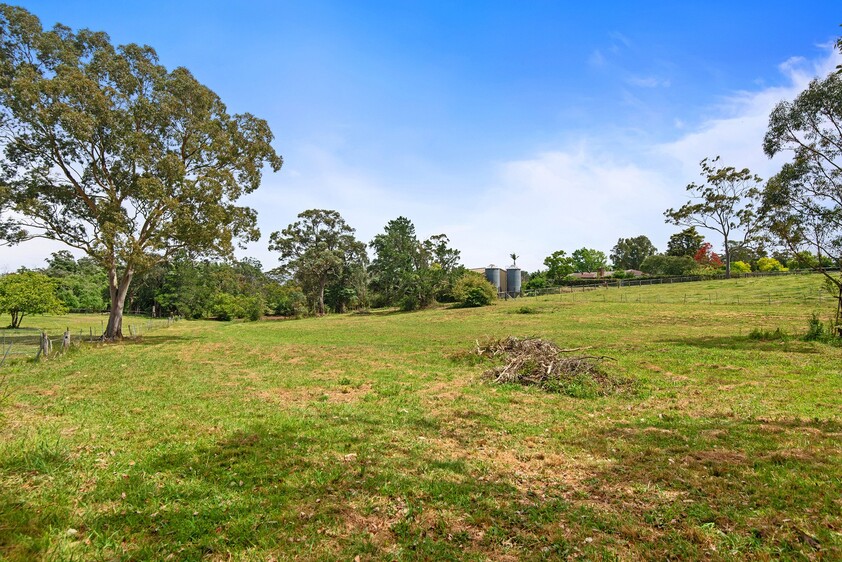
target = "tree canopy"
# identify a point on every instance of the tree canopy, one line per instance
(409, 273)
(629, 253)
(723, 203)
(28, 292)
(588, 259)
(112, 154)
(685, 243)
(559, 265)
(316, 249)
(803, 202)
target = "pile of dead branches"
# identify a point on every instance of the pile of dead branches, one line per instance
(538, 362)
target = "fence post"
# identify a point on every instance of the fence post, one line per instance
(44, 347)
(65, 340)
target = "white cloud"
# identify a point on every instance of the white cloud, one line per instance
(736, 132)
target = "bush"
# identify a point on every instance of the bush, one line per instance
(472, 289)
(770, 264)
(816, 330)
(740, 267)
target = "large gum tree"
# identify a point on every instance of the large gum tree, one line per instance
(803, 202)
(107, 151)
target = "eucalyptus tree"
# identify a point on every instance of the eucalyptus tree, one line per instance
(804, 200)
(107, 151)
(408, 272)
(723, 203)
(317, 248)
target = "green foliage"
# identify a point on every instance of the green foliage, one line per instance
(559, 265)
(81, 285)
(588, 259)
(668, 265)
(770, 264)
(816, 330)
(317, 249)
(723, 203)
(28, 292)
(802, 202)
(629, 253)
(472, 290)
(805, 260)
(109, 152)
(225, 306)
(740, 267)
(685, 243)
(766, 335)
(409, 273)
(286, 299)
(537, 280)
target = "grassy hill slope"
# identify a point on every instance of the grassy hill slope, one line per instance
(375, 436)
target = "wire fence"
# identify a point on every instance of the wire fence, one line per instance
(35, 343)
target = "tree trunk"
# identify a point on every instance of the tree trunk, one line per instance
(727, 259)
(321, 303)
(118, 291)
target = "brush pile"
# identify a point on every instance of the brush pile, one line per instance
(541, 363)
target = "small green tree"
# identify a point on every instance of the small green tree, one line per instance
(559, 265)
(316, 249)
(588, 259)
(28, 292)
(409, 273)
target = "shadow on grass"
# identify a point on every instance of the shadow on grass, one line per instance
(754, 488)
(744, 343)
(311, 496)
(154, 339)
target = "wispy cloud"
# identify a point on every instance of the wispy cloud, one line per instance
(597, 59)
(648, 82)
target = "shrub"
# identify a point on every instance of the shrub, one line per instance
(816, 330)
(472, 289)
(770, 264)
(740, 267)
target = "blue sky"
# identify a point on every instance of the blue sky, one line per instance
(522, 127)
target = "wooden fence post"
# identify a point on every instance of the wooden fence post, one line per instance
(44, 347)
(65, 340)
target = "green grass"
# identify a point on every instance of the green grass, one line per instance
(374, 436)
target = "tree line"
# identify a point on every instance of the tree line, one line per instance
(140, 168)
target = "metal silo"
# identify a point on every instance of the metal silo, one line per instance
(513, 281)
(492, 273)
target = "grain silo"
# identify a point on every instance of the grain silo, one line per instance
(513, 281)
(492, 274)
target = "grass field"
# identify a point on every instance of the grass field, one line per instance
(375, 436)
